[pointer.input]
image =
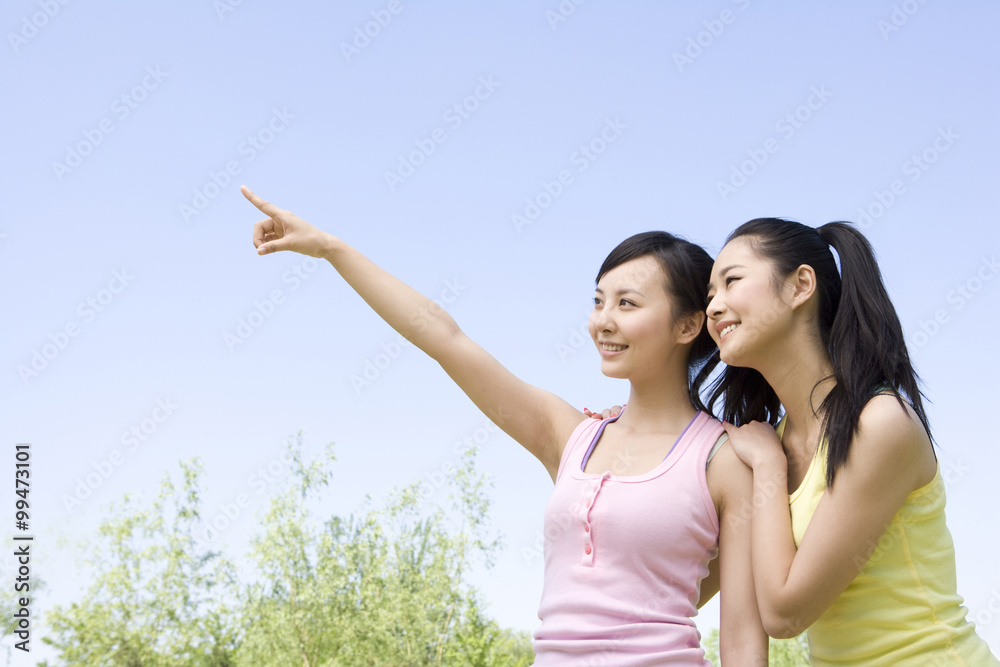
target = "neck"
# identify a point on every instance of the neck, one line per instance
(796, 375)
(661, 405)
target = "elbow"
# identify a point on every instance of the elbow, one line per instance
(433, 330)
(447, 331)
(782, 626)
(436, 319)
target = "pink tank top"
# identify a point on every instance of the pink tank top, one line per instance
(625, 556)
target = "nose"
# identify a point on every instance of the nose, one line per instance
(601, 319)
(714, 309)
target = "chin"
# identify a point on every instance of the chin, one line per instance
(729, 357)
(737, 361)
(616, 374)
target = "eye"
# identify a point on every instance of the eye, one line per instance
(625, 302)
(731, 279)
(597, 301)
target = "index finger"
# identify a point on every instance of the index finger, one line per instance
(267, 208)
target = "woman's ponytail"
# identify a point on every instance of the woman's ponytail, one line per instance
(865, 343)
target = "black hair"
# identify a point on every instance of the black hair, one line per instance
(688, 269)
(857, 324)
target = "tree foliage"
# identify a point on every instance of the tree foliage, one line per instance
(386, 587)
(155, 597)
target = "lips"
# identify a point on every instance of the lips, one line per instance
(610, 350)
(726, 328)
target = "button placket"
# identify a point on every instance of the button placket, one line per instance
(587, 558)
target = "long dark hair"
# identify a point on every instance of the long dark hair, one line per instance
(857, 324)
(688, 269)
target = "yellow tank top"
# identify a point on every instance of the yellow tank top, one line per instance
(903, 608)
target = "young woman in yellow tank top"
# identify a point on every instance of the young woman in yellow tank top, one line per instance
(864, 559)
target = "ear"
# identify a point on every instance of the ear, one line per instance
(688, 328)
(801, 284)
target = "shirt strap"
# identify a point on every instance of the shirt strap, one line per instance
(718, 444)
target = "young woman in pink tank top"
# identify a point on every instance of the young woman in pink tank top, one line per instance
(863, 559)
(635, 518)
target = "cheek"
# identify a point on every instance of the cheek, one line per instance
(765, 308)
(654, 332)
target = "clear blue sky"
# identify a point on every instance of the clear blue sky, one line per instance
(125, 243)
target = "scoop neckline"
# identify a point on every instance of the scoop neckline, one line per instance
(810, 471)
(656, 471)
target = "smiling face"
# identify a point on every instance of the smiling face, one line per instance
(747, 311)
(632, 323)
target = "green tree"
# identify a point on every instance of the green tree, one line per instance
(780, 652)
(384, 588)
(157, 597)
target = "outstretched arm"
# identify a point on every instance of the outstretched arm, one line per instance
(890, 457)
(537, 419)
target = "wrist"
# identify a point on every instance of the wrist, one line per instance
(770, 461)
(329, 245)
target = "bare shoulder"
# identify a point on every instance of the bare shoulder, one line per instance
(891, 438)
(890, 427)
(727, 464)
(729, 479)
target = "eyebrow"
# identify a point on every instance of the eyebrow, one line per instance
(722, 274)
(626, 290)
